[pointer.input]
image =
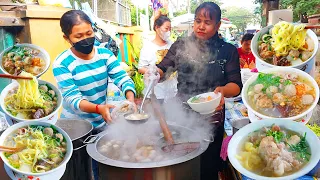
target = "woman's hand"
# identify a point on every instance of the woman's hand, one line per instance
(130, 97)
(220, 90)
(104, 110)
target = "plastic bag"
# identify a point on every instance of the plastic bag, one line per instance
(151, 75)
(170, 85)
(105, 40)
(126, 107)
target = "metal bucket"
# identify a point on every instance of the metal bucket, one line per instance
(80, 165)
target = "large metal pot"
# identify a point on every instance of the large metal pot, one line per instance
(182, 167)
(79, 167)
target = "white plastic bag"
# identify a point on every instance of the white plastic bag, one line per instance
(151, 75)
(125, 107)
(170, 85)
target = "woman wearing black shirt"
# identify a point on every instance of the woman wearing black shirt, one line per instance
(206, 63)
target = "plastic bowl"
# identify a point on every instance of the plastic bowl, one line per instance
(238, 138)
(206, 107)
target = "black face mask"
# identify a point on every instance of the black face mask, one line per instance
(84, 46)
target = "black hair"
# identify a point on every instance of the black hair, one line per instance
(71, 18)
(211, 9)
(160, 20)
(247, 37)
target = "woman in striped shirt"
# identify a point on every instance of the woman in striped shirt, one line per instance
(82, 72)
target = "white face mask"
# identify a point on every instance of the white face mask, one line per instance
(165, 35)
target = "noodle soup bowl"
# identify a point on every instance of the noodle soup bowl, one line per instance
(306, 66)
(302, 117)
(43, 54)
(205, 106)
(20, 173)
(11, 119)
(241, 136)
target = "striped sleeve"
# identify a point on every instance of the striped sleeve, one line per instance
(119, 77)
(69, 90)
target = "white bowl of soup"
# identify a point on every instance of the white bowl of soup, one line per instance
(274, 149)
(205, 103)
(28, 57)
(266, 56)
(19, 108)
(282, 92)
(50, 144)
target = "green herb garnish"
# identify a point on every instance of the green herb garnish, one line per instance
(277, 135)
(266, 38)
(195, 99)
(55, 131)
(267, 80)
(6, 154)
(287, 82)
(62, 154)
(301, 148)
(35, 127)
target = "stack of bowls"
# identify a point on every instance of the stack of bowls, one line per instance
(49, 120)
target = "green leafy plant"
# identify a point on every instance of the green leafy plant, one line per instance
(138, 83)
(136, 77)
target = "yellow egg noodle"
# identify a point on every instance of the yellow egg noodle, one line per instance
(27, 96)
(287, 36)
(36, 145)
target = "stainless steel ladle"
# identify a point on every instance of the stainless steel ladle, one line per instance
(140, 111)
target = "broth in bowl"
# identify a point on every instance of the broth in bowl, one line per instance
(274, 152)
(23, 58)
(281, 94)
(284, 144)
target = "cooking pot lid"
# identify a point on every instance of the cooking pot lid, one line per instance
(75, 128)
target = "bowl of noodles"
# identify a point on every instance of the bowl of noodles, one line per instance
(30, 100)
(285, 44)
(25, 57)
(43, 148)
(283, 92)
(274, 149)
